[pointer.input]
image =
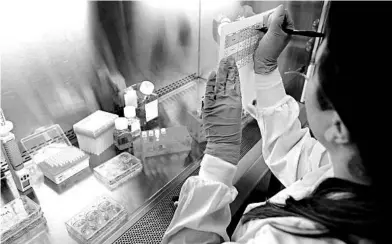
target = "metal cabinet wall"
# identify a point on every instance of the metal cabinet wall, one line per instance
(53, 52)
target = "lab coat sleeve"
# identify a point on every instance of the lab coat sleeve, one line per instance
(203, 211)
(288, 150)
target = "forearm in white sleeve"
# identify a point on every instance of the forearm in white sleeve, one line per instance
(286, 146)
(203, 211)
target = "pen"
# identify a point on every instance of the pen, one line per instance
(297, 32)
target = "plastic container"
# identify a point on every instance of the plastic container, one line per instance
(133, 121)
(118, 170)
(130, 97)
(147, 103)
(18, 217)
(195, 125)
(165, 141)
(122, 136)
(51, 150)
(95, 132)
(96, 222)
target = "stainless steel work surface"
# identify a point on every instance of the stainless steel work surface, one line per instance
(147, 194)
(60, 202)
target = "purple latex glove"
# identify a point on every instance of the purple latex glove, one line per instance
(273, 42)
(222, 112)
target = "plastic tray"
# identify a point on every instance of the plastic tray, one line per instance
(17, 216)
(175, 140)
(119, 169)
(96, 221)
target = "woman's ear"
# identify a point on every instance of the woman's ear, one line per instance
(337, 133)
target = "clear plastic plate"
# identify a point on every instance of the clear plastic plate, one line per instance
(17, 215)
(96, 221)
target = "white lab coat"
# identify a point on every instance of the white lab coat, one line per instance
(295, 158)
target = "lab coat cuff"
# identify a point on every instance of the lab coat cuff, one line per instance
(216, 169)
(269, 89)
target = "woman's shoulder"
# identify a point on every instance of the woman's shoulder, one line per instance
(282, 230)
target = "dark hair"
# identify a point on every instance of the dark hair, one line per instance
(350, 72)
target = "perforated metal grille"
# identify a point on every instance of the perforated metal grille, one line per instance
(177, 84)
(151, 227)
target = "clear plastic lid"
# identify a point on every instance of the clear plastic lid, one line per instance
(117, 168)
(52, 135)
(17, 215)
(95, 219)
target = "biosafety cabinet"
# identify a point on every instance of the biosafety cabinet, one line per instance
(68, 70)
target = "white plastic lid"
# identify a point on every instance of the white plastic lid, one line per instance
(146, 87)
(130, 112)
(121, 124)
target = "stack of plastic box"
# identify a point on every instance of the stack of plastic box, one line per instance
(51, 150)
(118, 170)
(96, 222)
(18, 218)
(95, 132)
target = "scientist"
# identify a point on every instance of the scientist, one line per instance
(335, 185)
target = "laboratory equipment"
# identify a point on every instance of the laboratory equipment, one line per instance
(130, 97)
(122, 136)
(11, 154)
(295, 32)
(118, 170)
(56, 157)
(133, 121)
(147, 104)
(164, 141)
(19, 217)
(194, 122)
(97, 221)
(95, 132)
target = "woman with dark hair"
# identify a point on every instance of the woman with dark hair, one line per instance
(335, 185)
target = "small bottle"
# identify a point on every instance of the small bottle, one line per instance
(148, 106)
(133, 121)
(130, 97)
(122, 136)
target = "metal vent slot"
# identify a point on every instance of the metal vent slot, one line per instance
(151, 226)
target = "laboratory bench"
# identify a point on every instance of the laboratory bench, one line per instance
(147, 197)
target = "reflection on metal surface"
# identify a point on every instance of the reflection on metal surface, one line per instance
(60, 67)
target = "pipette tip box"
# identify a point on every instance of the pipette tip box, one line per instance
(19, 217)
(97, 221)
(95, 132)
(118, 170)
(51, 150)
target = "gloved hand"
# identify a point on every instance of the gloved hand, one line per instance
(273, 42)
(222, 112)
